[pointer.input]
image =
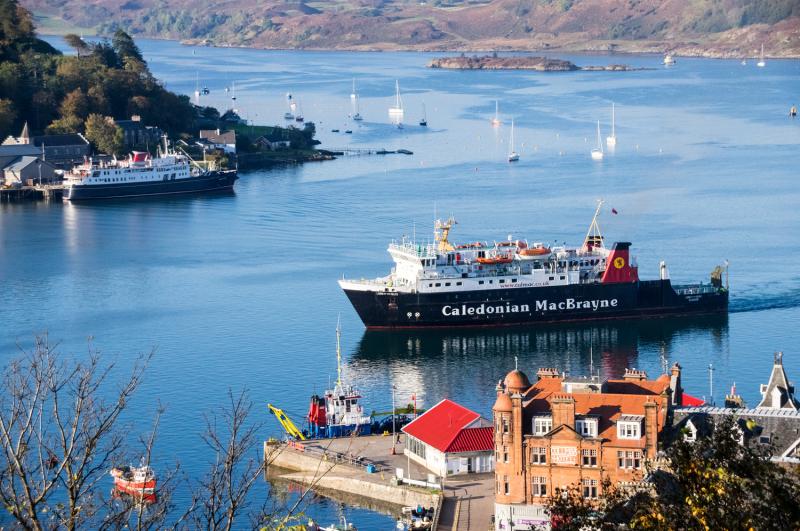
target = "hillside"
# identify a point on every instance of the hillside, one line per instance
(696, 27)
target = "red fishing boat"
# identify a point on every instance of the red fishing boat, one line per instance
(137, 481)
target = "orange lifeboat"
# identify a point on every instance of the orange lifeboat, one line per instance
(499, 259)
(534, 252)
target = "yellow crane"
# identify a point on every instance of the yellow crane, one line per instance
(286, 422)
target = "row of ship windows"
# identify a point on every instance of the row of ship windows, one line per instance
(123, 179)
(482, 282)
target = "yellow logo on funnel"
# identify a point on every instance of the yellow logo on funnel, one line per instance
(619, 262)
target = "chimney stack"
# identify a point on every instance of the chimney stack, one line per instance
(563, 408)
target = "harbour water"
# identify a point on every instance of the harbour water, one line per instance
(239, 291)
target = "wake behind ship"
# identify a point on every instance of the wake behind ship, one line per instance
(141, 175)
(513, 282)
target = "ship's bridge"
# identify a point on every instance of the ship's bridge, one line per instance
(411, 259)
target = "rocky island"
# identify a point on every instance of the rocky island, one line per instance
(520, 62)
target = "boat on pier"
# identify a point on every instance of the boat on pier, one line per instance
(439, 284)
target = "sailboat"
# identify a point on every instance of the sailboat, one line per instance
(597, 153)
(424, 121)
(289, 115)
(496, 119)
(354, 101)
(611, 141)
(197, 89)
(669, 60)
(396, 112)
(761, 61)
(299, 116)
(233, 91)
(513, 156)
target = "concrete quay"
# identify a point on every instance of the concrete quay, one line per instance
(337, 467)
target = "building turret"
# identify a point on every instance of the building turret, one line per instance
(778, 393)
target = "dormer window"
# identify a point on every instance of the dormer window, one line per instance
(629, 427)
(542, 425)
(587, 427)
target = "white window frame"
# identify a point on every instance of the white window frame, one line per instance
(629, 459)
(586, 427)
(627, 429)
(538, 455)
(589, 488)
(542, 425)
(590, 453)
(539, 487)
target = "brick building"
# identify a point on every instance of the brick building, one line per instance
(561, 431)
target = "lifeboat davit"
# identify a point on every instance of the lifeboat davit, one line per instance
(491, 260)
(534, 252)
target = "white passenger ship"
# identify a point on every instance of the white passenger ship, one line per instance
(141, 175)
(516, 282)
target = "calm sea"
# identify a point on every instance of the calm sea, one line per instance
(239, 292)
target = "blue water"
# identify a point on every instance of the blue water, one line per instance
(239, 292)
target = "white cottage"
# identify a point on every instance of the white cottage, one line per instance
(450, 439)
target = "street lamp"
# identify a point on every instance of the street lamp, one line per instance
(394, 424)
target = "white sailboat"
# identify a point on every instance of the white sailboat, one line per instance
(496, 120)
(611, 141)
(424, 121)
(597, 153)
(396, 112)
(761, 61)
(298, 117)
(289, 115)
(513, 156)
(669, 60)
(197, 89)
(354, 102)
(233, 91)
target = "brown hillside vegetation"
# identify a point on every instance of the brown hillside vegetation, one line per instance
(697, 27)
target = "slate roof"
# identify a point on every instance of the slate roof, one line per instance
(778, 388)
(21, 163)
(69, 139)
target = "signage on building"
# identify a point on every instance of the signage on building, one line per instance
(563, 455)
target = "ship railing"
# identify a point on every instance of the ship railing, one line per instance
(416, 249)
(694, 289)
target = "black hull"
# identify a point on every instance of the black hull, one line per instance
(540, 305)
(217, 181)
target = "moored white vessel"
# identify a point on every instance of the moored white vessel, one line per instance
(611, 140)
(513, 156)
(597, 153)
(396, 111)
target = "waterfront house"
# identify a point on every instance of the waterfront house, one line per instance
(29, 170)
(773, 425)
(63, 151)
(450, 439)
(560, 432)
(136, 134)
(223, 140)
(265, 143)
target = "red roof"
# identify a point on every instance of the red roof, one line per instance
(444, 427)
(472, 440)
(690, 401)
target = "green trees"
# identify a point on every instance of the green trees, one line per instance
(58, 93)
(104, 134)
(713, 483)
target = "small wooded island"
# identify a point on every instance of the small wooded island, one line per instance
(520, 62)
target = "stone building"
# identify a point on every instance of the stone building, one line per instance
(773, 425)
(62, 151)
(561, 432)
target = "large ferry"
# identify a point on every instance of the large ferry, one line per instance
(141, 175)
(512, 282)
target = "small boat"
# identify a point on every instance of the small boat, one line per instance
(405, 152)
(513, 156)
(761, 62)
(205, 91)
(299, 116)
(348, 132)
(418, 517)
(669, 60)
(337, 412)
(334, 130)
(354, 101)
(537, 251)
(611, 141)
(496, 120)
(424, 121)
(597, 153)
(136, 481)
(497, 259)
(288, 116)
(396, 112)
(233, 91)
(744, 62)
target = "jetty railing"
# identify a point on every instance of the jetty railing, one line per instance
(349, 458)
